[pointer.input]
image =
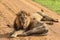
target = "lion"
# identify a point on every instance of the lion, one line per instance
(24, 24)
(27, 24)
(21, 22)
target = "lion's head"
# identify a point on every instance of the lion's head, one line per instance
(23, 19)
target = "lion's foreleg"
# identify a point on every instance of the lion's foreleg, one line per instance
(16, 33)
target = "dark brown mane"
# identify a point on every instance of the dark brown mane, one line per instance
(22, 20)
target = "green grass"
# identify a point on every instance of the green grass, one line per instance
(53, 5)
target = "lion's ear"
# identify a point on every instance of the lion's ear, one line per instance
(18, 14)
(22, 11)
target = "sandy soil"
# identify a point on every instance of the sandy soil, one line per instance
(8, 11)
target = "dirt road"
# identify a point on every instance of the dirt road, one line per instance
(8, 11)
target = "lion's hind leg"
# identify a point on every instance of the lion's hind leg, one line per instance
(37, 30)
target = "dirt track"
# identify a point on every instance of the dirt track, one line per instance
(8, 10)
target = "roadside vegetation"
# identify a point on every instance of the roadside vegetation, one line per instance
(53, 5)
